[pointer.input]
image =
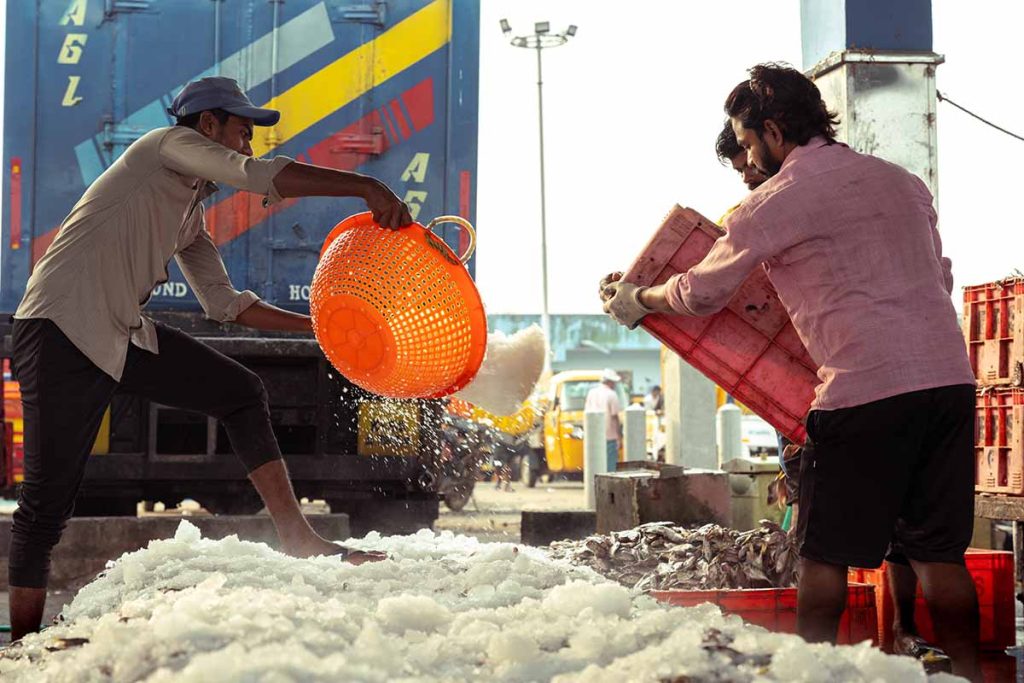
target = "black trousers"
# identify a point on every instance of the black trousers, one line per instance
(891, 479)
(64, 396)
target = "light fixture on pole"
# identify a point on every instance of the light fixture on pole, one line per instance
(541, 38)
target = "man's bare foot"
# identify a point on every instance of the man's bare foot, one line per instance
(353, 556)
(316, 545)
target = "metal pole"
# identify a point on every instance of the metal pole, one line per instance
(545, 318)
(216, 37)
(729, 433)
(595, 453)
(635, 433)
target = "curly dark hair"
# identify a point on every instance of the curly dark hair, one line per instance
(726, 146)
(781, 93)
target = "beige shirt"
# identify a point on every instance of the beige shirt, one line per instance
(603, 398)
(113, 248)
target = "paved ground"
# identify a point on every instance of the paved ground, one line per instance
(493, 515)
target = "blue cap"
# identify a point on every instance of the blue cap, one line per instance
(218, 92)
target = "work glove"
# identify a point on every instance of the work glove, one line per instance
(605, 281)
(622, 303)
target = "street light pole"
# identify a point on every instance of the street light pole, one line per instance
(545, 316)
(540, 39)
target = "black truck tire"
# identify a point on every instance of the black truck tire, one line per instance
(456, 499)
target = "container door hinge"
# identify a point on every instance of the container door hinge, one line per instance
(112, 7)
(367, 13)
(120, 135)
(359, 143)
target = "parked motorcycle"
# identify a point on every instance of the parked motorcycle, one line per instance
(463, 458)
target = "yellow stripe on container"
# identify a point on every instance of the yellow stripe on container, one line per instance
(354, 74)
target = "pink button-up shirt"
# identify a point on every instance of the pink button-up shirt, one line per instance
(850, 243)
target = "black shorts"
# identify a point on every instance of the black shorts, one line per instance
(894, 475)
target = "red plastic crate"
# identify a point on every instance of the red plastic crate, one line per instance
(992, 571)
(750, 348)
(775, 609)
(998, 443)
(994, 330)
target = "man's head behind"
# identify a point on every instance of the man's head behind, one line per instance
(730, 152)
(217, 108)
(776, 110)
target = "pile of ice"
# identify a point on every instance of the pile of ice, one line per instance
(442, 608)
(509, 372)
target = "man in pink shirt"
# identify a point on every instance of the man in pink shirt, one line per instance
(850, 243)
(902, 580)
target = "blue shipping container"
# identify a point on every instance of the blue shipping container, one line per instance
(385, 88)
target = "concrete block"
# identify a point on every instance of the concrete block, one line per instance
(90, 542)
(630, 498)
(749, 482)
(542, 527)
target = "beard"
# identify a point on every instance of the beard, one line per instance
(768, 166)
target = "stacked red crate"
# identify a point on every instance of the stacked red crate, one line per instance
(994, 330)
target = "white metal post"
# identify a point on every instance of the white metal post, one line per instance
(595, 453)
(729, 432)
(635, 433)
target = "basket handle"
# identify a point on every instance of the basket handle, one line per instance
(465, 225)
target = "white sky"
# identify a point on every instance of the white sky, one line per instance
(632, 107)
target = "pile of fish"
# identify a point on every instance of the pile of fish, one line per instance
(662, 556)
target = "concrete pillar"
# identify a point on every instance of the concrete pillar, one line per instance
(689, 415)
(729, 432)
(874, 63)
(595, 453)
(887, 106)
(635, 433)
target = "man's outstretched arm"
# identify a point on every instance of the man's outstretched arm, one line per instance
(305, 180)
(263, 316)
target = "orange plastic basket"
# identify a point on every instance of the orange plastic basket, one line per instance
(396, 311)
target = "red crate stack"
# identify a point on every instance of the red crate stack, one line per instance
(994, 329)
(992, 572)
(775, 608)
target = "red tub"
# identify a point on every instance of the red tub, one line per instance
(775, 608)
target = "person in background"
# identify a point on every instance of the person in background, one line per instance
(603, 398)
(902, 579)
(654, 400)
(851, 246)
